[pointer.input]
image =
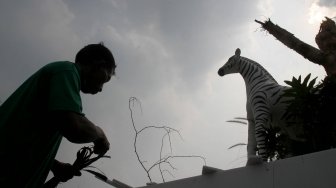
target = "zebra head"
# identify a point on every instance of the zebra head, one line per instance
(232, 65)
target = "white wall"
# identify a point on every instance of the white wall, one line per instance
(316, 170)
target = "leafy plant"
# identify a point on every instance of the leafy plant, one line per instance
(311, 107)
(301, 97)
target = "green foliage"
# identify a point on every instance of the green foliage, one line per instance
(310, 109)
(301, 98)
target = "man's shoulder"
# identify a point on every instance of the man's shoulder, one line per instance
(60, 65)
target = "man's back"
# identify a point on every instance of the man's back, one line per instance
(29, 143)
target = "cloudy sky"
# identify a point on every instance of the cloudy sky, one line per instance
(167, 53)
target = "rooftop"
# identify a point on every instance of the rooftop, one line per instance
(315, 170)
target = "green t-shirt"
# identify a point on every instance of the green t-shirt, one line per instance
(28, 144)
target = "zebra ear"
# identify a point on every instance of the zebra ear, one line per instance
(237, 53)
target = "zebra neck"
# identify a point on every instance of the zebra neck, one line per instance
(248, 66)
(258, 81)
(254, 74)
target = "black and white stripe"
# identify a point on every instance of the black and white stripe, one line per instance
(264, 103)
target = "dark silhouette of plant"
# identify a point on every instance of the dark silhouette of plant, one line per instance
(301, 95)
(312, 106)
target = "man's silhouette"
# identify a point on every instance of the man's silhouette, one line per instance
(47, 107)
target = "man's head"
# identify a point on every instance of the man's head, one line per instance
(97, 66)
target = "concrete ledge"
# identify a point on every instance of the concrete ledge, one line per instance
(315, 170)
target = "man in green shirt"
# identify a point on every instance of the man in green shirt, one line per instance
(47, 107)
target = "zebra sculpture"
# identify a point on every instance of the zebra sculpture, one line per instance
(264, 104)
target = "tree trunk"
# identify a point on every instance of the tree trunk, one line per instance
(325, 58)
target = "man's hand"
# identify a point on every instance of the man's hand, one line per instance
(64, 171)
(101, 145)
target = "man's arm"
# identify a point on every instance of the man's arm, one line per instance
(78, 129)
(64, 171)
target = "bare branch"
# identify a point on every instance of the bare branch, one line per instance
(168, 173)
(132, 100)
(161, 172)
(163, 160)
(166, 159)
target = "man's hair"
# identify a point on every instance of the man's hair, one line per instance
(95, 55)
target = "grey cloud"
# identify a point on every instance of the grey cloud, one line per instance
(33, 33)
(327, 3)
(186, 30)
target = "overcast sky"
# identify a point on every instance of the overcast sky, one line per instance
(167, 54)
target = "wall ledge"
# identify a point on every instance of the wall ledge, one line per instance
(315, 170)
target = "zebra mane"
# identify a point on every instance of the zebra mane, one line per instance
(259, 66)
